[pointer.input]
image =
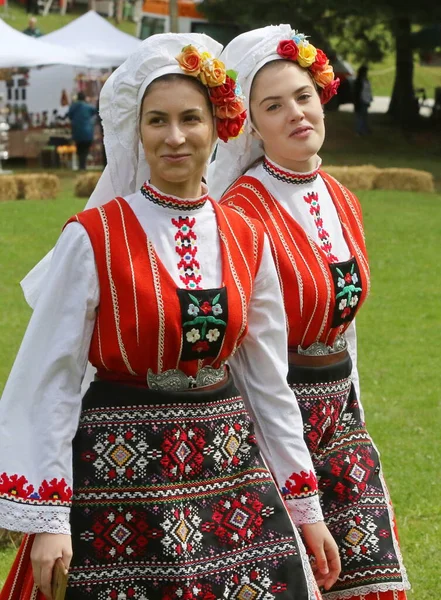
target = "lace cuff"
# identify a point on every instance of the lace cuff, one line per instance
(305, 510)
(34, 518)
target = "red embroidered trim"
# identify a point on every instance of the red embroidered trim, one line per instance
(289, 176)
(18, 487)
(300, 485)
(312, 199)
(189, 267)
(172, 201)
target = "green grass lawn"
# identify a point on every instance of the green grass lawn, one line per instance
(399, 349)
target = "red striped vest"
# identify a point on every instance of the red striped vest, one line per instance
(309, 284)
(139, 322)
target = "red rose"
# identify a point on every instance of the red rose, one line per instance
(346, 313)
(348, 278)
(223, 94)
(288, 49)
(329, 91)
(206, 308)
(230, 128)
(320, 63)
(201, 347)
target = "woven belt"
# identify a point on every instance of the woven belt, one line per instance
(319, 354)
(175, 380)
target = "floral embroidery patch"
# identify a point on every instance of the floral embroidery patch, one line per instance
(300, 485)
(204, 321)
(17, 487)
(312, 199)
(186, 248)
(348, 291)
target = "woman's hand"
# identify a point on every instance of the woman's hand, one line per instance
(320, 542)
(47, 547)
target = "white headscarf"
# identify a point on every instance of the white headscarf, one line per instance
(120, 103)
(246, 54)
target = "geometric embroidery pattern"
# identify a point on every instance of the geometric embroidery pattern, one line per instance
(119, 534)
(201, 504)
(120, 455)
(182, 532)
(254, 585)
(355, 503)
(230, 444)
(238, 518)
(183, 452)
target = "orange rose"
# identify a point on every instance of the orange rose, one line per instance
(306, 55)
(213, 72)
(325, 77)
(190, 60)
(230, 110)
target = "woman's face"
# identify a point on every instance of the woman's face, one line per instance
(288, 115)
(177, 134)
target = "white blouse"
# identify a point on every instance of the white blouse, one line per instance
(41, 403)
(291, 197)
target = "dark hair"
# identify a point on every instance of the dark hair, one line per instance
(81, 96)
(171, 77)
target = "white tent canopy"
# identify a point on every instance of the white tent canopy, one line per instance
(104, 45)
(20, 50)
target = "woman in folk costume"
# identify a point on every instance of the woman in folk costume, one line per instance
(154, 477)
(272, 173)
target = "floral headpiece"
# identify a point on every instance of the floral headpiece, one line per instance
(225, 94)
(315, 60)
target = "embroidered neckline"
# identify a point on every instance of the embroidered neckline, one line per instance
(288, 176)
(182, 204)
(312, 198)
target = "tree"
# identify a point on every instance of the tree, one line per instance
(365, 28)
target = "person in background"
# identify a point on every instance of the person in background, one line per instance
(362, 100)
(32, 28)
(81, 115)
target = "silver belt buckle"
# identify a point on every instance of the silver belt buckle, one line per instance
(175, 380)
(321, 349)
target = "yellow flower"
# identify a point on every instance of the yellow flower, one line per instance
(306, 55)
(323, 78)
(190, 60)
(213, 72)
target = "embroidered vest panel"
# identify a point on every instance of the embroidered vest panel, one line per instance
(144, 321)
(321, 298)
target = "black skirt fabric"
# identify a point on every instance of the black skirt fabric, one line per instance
(355, 501)
(173, 501)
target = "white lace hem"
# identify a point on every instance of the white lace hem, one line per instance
(32, 518)
(367, 589)
(309, 575)
(305, 510)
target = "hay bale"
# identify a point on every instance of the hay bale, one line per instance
(41, 186)
(85, 184)
(411, 180)
(8, 188)
(354, 177)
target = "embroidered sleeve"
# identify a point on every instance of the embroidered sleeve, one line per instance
(259, 369)
(40, 407)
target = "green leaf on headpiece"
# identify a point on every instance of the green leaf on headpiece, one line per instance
(232, 74)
